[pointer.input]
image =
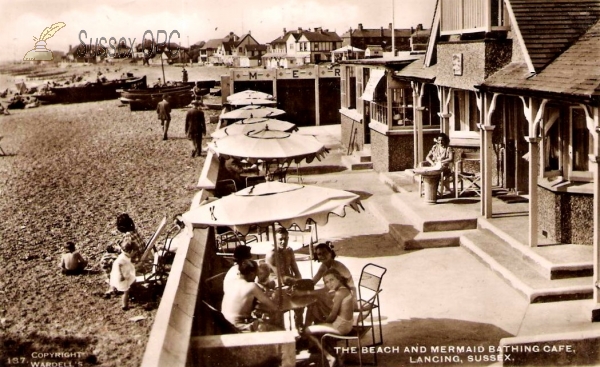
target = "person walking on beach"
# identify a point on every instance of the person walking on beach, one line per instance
(195, 127)
(163, 109)
(184, 77)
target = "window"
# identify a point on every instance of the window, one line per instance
(316, 46)
(469, 16)
(552, 142)
(465, 114)
(580, 146)
(402, 107)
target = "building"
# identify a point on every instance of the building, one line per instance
(517, 83)
(301, 47)
(365, 38)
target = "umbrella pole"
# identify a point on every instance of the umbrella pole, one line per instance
(278, 266)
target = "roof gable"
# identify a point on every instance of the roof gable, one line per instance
(549, 27)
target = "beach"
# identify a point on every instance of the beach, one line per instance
(69, 171)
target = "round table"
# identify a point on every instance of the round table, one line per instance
(431, 180)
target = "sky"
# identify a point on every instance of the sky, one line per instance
(198, 20)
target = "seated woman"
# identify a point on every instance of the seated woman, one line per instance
(339, 319)
(442, 156)
(131, 236)
(325, 254)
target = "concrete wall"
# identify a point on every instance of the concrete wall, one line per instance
(566, 217)
(348, 125)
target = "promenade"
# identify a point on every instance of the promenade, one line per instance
(434, 298)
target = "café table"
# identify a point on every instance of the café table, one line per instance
(287, 302)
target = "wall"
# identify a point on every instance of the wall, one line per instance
(566, 217)
(348, 125)
(392, 152)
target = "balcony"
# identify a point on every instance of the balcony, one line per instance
(471, 16)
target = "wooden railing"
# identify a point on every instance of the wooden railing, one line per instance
(469, 16)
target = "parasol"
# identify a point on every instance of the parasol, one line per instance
(269, 145)
(253, 125)
(250, 111)
(249, 94)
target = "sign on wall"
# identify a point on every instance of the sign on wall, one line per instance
(457, 64)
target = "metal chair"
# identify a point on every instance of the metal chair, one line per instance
(369, 287)
(225, 187)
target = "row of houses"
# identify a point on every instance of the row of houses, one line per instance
(293, 48)
(516, 81)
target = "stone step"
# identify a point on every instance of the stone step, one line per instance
(433, 218)
(554, 262)
(353, 163)
(403, 230)
(509, 264)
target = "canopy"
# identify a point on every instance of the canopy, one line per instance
(376, 75)
(269, 145)
(252, 101)
(253, 125)
(251, 111)
(347, 49)
(273, 202)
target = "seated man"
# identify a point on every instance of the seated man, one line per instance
(240, 298)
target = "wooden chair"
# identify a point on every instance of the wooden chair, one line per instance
(467, 181)
(146, 261)
(369, 287)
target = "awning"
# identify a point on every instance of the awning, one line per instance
(376, 75)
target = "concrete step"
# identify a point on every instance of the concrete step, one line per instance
(509, 264)
(554, 262)
(353, 163)
(404, 232)
(433, 218)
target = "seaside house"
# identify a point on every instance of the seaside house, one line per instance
(301, 47)
(208, 50)
(517, 82)
(247, 52)
(370, 38)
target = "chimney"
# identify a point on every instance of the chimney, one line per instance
(381, 33)
(360, 26)
(412, 30)
(419, 27)
(284, 31)
(249, 32)
(299, 29)
(390, 26)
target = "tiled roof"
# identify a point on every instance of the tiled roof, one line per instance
(212, 44)
(549, 27)
(256, 47)
(321, 36)
(376, 32)
(576, 72)
(417, 70)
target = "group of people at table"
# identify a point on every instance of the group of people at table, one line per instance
(253, 301)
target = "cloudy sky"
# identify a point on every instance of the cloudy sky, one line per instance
(195, 20)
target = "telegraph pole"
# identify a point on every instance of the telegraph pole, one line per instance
(393, 30)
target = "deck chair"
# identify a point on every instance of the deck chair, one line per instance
(152, 276)
(360, 329)
(467, 181)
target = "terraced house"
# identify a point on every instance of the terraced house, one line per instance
(517, 83)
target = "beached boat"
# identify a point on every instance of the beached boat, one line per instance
(88, 92)
(179, 95)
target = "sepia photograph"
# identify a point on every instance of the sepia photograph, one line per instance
(300, 183)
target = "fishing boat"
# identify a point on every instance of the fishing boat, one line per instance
(179, 95)
(91, 91)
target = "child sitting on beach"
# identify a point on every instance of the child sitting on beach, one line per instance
(122, 275)
(72, 263)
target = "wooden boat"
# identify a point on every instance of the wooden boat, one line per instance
(179, 95)
(97, 91)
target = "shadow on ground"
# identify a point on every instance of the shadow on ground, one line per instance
(365, 246)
